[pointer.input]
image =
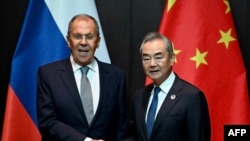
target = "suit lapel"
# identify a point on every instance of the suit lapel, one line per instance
(67, 75)
(169, 102)
(142, 114)
(104, 76)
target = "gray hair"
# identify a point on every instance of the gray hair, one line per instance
(151, 36)
(87, 16)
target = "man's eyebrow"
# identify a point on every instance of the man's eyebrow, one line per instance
(158, 53)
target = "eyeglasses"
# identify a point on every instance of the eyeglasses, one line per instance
(147, 59)
(87, 37)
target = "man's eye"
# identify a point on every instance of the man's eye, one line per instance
(158, 57)
(77, 36)
(89, 37)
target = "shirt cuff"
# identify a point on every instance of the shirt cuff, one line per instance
(88, 139)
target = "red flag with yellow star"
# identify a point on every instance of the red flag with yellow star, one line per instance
(208, 55)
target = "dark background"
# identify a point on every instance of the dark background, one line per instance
(124, 23)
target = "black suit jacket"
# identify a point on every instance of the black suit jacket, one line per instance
(60, 112)
(181, 118)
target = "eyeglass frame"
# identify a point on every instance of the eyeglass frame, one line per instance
(78, 36)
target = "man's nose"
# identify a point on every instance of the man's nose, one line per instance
(152, 62)
(83, 40)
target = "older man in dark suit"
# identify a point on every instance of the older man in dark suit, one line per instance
(169, 109)
(66, 112)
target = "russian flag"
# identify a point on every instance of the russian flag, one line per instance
(42, 40)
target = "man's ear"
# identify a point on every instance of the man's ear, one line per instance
(98, 42)
(172, 60)
(67, 40)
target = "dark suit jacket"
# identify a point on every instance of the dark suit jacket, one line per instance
(184, 118)
(60, 112)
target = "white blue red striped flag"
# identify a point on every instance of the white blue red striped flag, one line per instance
(42, 40)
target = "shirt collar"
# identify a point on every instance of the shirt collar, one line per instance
(93, 65)
(167, 84)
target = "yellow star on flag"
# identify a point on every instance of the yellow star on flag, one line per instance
(199, 58)
(228, 6)
(170, 4)
(226, 37)
(176, 52)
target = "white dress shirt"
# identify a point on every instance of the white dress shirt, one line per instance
(93, 76)
(165, 87)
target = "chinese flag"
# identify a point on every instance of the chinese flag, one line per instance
(208, 56)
